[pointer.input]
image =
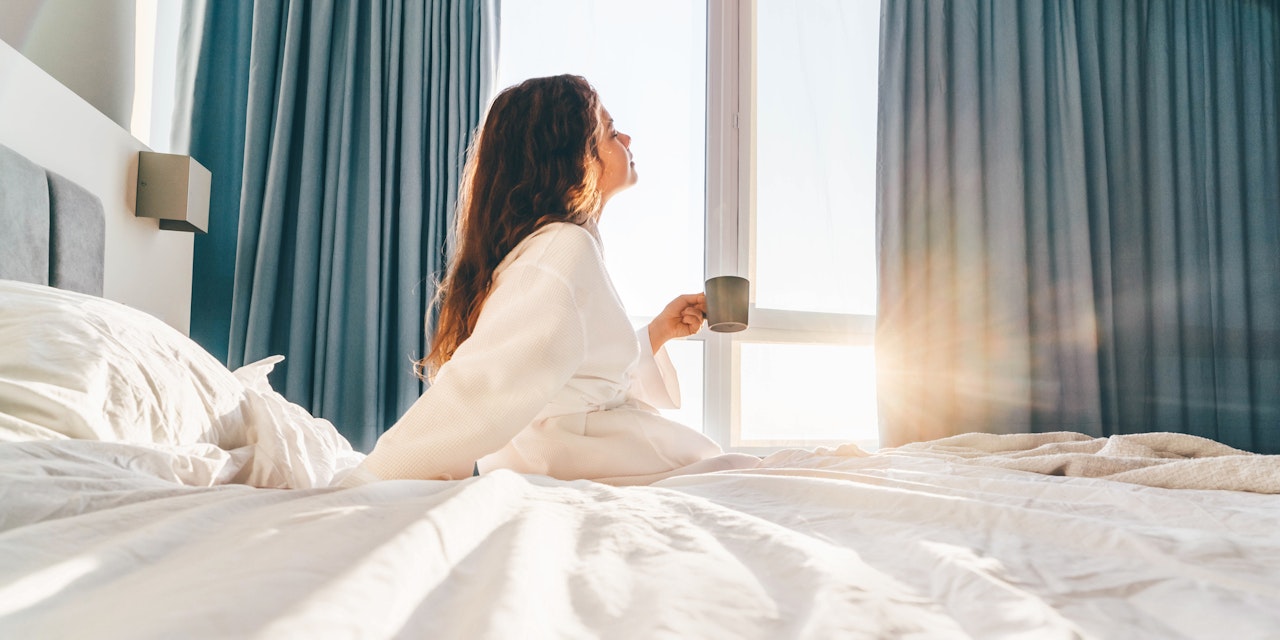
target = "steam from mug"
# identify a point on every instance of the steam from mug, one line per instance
(727, 302)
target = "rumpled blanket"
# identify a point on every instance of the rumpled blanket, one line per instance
(1168, 460)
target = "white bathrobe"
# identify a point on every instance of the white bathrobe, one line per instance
(552, 381)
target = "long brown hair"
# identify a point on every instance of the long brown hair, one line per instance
(533, 162)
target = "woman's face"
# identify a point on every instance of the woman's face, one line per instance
(618, 171)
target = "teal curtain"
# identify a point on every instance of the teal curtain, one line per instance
(1079, 218)
(209, 125)
(336, 133)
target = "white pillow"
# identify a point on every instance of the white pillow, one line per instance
(78, 366)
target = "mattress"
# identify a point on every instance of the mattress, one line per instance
(117, 540)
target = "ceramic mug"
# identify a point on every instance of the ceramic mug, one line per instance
(728, 298)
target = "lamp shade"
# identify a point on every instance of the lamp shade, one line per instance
(175, 189)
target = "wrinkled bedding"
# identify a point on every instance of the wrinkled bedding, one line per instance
(1169, 460)
(102, 539)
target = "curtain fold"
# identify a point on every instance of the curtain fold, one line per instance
(354, 126)
(1079, 218)
(208, 124)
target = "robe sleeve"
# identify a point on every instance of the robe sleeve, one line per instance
(528, 342)
(654, 381)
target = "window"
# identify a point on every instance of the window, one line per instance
(658, 96)
(156, 29)
(753, 128)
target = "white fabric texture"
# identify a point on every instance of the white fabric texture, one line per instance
(1170, 460)
(285, 446)
(99, 539)
(79, 366)
(553, 381)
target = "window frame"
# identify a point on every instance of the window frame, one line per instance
(730, 217)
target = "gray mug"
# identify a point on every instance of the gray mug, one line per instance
(728, 298)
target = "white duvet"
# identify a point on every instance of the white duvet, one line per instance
(103, 540)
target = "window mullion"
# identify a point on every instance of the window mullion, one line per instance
(726, 127)
(725, 130)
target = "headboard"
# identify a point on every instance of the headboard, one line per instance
(55, 134)
(51, 229)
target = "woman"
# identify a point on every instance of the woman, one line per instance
(533, 362)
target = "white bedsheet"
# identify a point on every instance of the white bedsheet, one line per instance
(101, 540)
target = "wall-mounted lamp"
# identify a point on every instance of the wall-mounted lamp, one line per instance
(175, 189)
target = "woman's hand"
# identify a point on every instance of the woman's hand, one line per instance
(682, 317)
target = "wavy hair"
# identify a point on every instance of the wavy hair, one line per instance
(534, 161)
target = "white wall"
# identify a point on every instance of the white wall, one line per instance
(40, 118)
(87, 45)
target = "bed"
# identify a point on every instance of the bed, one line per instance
(148, 492)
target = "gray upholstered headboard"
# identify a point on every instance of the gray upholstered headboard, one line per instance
(52, 231)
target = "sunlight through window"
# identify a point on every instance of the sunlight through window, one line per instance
(804, 372)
